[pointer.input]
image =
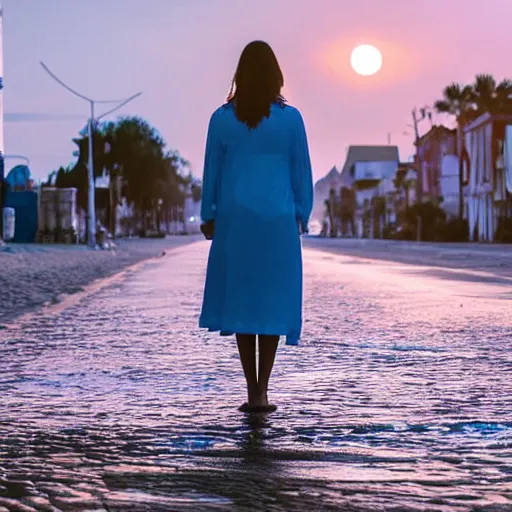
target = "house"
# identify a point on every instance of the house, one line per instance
(322, 189)
(437, 163)
(488, 176)
(366, 167)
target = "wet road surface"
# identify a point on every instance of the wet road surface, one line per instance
(398, 398)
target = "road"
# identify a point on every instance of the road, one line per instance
(398, 397)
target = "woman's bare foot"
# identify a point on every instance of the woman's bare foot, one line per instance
(257, 402)
(253, 397)
(260, 398)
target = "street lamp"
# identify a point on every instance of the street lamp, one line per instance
(91, 214)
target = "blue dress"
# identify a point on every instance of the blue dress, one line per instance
(258, 187)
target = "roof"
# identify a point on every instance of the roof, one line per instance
(330, 179)
(332, 174)
(438, 130)
(369, 154)
(485, 118)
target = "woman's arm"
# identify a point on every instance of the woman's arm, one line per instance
(302, 175)
(212, 166)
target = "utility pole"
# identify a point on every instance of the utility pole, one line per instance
(91, 212)
(424, 112)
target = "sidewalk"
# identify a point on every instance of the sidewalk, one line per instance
(496, 259)
(32, 275)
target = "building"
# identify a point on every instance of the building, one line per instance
(366, 167)
(488, 176)
(432, 148)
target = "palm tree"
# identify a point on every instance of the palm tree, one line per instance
(490, 96)
(458, 101)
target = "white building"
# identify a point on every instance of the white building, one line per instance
(368, 167)
(488, 175)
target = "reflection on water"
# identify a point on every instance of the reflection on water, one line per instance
(399, 396)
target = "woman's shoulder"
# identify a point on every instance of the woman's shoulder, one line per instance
(282, 108)
(223, 109)
(292, 113)
(216, 118)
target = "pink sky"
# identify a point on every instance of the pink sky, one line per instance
(182, 54)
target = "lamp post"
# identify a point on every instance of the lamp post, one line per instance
(91, 214)
(159, 215)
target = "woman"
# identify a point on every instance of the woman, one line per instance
(257, 198)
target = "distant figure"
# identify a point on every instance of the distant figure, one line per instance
(325, 227)
(257, 199)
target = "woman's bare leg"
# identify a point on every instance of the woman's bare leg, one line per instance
(267, 349)
(247, 350)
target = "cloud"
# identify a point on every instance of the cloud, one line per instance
(40, 117)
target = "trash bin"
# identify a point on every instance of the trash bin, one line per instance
(101, 236)
(9, 218)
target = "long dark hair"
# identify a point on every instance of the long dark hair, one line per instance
(257, 84)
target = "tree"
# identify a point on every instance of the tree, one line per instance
(490, 96)
(432, 218)
(458, 101)
(138, 151)
(197, 192)
(151, 173)
(347, 206)
(132, 149)
(169, 190)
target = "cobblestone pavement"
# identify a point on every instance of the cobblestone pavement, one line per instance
(398, 398)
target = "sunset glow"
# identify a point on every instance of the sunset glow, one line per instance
(340, 106)
(366, 60)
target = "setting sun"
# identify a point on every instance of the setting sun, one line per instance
(366, 60)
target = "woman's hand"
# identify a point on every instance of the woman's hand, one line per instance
(303, 228)
(208, 228)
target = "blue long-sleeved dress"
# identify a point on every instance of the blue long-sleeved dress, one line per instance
(257, 186)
